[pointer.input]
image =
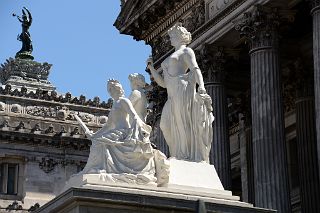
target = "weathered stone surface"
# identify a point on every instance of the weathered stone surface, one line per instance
(316, 60)
(217, 6)
(307, 149)
(118, 199)
(26, 73)
(271, 180)
(212, 61)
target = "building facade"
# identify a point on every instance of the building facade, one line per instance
(260, 62)
(41, 144)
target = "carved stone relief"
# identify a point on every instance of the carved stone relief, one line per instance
(53, 96)
(160, 46)
(15, 206)
(40, 111)
(16, 108)
(85, 117)
(103, 119)
(217, 6)
(2, 106)
(25, 69)
(61, 113)
(47, 164)
(196, 18)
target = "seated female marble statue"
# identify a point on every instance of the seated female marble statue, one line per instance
(120, 150)
(138, 97)
(186, 120)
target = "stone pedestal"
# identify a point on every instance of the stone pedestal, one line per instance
(118, 199)
(190, 178)
(189, 184)
(192, 187)
(196, 177)
(26, 73)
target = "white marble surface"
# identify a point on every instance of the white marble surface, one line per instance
(90, 181)
(186, 119)
(121, 151)
(138, 96)
(194, 176)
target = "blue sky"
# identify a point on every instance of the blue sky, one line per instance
(79, 39)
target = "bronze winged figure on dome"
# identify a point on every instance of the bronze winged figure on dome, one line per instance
(25, 37)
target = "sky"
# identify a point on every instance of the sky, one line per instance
(79, 39)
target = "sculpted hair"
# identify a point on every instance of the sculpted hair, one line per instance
(182, 33)
(138, 78)
(112, 83)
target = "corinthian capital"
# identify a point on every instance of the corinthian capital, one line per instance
(315, 4)
(212, 61)
(259, 26)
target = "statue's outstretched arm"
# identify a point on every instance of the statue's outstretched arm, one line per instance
(156, 75)
(192, 64)
(18, 17)
(29, 15)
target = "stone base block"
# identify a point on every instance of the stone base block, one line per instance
(194, 177)
(191, 187)
(115, 199)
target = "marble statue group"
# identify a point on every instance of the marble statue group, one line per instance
(121, 150)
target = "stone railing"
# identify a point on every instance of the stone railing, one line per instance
(55, 97)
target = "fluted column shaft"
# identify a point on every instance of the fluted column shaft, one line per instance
(246, 161)
(212, 62)
(220, 149)
(270, 163)
(307, 149)
(269, 151)
(316, 58)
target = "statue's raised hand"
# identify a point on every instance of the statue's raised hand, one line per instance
(150, 65)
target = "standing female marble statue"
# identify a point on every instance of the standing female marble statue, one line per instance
(186, 119)
(138, 97)
(120, 150)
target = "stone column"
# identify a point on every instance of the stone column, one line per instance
(213, 60)
(259, 27)
(315, 11)
(307, 146)
(246, 159)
